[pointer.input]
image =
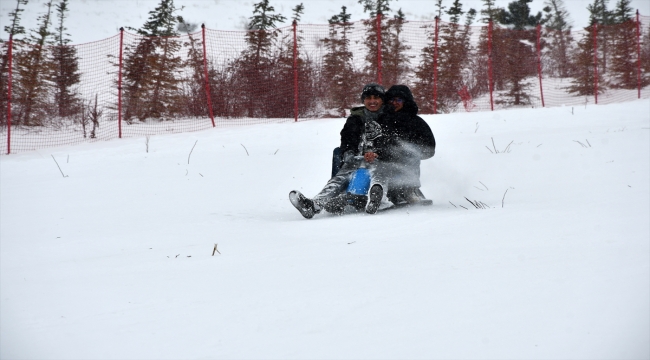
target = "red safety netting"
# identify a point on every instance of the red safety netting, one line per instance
(129, 85)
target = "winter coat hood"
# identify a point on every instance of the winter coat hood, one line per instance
(403, 91)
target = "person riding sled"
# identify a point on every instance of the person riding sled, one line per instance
(381, 149)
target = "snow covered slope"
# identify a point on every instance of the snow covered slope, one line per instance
(111, 256)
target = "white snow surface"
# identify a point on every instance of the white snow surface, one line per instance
(111, 256)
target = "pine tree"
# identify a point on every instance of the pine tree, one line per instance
(600, 15)
(194, 92)
(152, 87)
(454, 50)
(515, 53)
(338, 70)
(623, 66)
(66, 66)
(583, 83)
(13, 30)
(645, 57)
(395, 60)
(558, 30)
(253, 70)
(32, 68)
(374, 7)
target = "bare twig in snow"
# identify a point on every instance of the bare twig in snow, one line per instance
(146, 143)
(453, 205)
(215, 250)
(486, 188)
(242, 145)
(504, 197)
(188, 156)
(475, 130)
(495, 147)
(508, 147)
(57, 165)
(489, 149)
(581, 144)
(587, 140)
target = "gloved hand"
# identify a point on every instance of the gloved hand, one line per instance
(370, 156)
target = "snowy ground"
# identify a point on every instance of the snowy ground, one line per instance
(114, 260)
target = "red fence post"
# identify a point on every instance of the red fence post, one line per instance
(435, 67)
(490, 82)
(595, 34)
(9, 73)
(205, 75)
(119, 87)
(638, 53)
(295, 72)
(539, 62)
(379, 67)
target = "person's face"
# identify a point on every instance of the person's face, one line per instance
(373, 103)
(398, 103)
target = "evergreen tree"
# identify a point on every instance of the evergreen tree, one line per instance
(515, 52)
(338, 70)
(583, 83)
(454, 50)
(32, 68)
(395, 61)
(623, 65)
(645, 57)
(66, 66)
(558, 30)
(518, 15)
(194, 92)
(13, 30)
(600, 15)
(253, 70)
(374, 7)
(152, 87)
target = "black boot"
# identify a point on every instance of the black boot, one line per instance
(305, 205)
(374, 198)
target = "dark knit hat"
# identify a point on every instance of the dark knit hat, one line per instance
(373, 89)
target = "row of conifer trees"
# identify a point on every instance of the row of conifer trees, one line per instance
(163, 74)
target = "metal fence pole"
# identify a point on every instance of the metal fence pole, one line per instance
(490, 79)
(205, 75)
(295, 72)
(379, 66)
(435, 66)
(595, 35)
(539, 62)
(119, 87)
(9, 80)
(638, 53)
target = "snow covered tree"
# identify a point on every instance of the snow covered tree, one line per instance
(395, 61)
(623, 65)
(583, 83)
(600, 15)
(374, 7)
(514, 51)
(254, 68)
(560, 39)
(65, 66)
(31, 87)
(338, 70)
(151, 83)
(453, 57)
(13, 30)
